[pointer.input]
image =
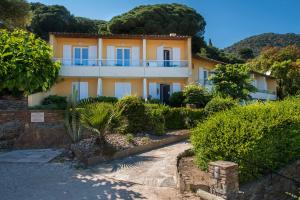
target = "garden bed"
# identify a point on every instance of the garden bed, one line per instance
(118, 146)
(189, 177)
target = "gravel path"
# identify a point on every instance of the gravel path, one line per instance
(150, 175)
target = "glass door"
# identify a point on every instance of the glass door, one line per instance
(123, 56)
(81, 55)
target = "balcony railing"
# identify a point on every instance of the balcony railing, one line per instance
(122, 62)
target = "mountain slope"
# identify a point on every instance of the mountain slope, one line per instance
(258, 42)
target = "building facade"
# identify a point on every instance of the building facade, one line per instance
(149, 66)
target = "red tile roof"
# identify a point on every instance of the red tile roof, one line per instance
(119, 36)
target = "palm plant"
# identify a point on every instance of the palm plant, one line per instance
(72, 119)
(97, 118)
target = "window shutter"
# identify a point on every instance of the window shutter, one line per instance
(176, 56)
(67, 59)
(176, 87)
(153, 90)
(201, 76)
(110, 55)
(83, 90)
(92, 55)
(160, 56)
(135, 56)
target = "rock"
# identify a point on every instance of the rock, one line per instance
(44, 135)
(10, 130)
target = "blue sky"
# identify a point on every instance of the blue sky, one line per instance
(228, 21)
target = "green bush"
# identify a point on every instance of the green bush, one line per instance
(59, 101)
(177, 99)
(104, 99)
(133, 117)
(195, 94)
(218, 104)
(258, 137)
(155, 120)
(153, 101)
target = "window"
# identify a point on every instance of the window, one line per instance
(123, 56)
(122, 89)
(81, 55)
(80, 89)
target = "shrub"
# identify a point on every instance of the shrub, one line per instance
(129, 137)
(98, 99)
(195, 94)
(155, 120)
(59, 102)
(153, 101)
(133, 117)
(258, 137)
(177, 99)
(219, 104)
(194, 116)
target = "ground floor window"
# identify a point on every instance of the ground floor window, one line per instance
(122, 89)
(80, 89)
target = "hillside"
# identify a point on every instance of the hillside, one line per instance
(257, 42)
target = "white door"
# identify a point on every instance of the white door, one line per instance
(160, 56)
(92, 56)
(122, 89)
(67, 55)
(154, 90)
(110, 56)
(176, 57)
(83, 90)
(176, 87)
(135, 56)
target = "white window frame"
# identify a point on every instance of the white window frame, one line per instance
(123, 55)
(77, 47)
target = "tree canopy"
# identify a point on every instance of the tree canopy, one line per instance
(233, 80)
(56, 18)
(26, 63)
(159, 19)
(284, 64)
(14, 13)
(258, 42)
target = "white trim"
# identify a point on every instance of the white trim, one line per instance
(100, 44)
(99, 87)
(144, 52)
(145, 89)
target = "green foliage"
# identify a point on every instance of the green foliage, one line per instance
(155, 120)
(259, 137)
(56, 18)
(258, 42)
(284, 64)
(58, 101)
(218, 104)
(133, 115)
(246, 53)
(195, 94)
(26, 63)
(14, 14)
(233, 80)
(177, 99)
(97, 117)
(72, 120)
(153, 101)
(98, 99)
(130, 137)
(159, 19)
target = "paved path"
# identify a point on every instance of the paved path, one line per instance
(150, 175)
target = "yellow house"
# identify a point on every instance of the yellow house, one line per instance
(150, 66)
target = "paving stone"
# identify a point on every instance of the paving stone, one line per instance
(29, 156)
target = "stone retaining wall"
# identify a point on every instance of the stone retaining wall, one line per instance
(17, 130)
(10, 103)
(274, 186)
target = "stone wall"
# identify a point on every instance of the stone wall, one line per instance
(17, 130)
(11, 103)
(274, 186)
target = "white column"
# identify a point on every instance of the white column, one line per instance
(99, 87)
(100, 51)
(144, 52)
(145, 89)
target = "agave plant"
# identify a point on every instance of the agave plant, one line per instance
(72, 119)
(97, 118)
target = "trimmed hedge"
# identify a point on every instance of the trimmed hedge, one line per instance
(218, 104)
(259, 137)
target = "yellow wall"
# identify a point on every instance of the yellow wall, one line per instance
(197, 63)
(121, 43)
(108, 86)
(153, 44)
(75, 42)
(64, 86)
(272, 84)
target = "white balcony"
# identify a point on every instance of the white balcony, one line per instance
(124, 68)
(264, 95)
